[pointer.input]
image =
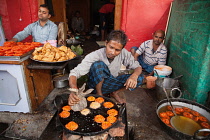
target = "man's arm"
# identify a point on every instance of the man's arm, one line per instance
(132, 80)
(73, 82)
(139, 51)
(73, 98)
(22, 34)
(13, 39)
(81, 69)
(136, 55)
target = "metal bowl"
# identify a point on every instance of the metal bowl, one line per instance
(60, 81)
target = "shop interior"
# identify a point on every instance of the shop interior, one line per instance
(89, 12)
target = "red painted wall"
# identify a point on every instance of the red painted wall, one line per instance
(140, 18)
(12, 10)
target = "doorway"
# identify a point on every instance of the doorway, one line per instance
(89, 12)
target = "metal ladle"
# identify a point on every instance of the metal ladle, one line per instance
(164, 89)
(181, 123)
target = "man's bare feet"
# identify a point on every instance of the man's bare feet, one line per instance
(117, 97)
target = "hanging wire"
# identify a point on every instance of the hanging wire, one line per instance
(20, 19)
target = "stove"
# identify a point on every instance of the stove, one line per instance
(118, 132)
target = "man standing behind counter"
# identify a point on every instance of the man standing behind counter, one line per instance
(103, 67)
(77, 23)
(41, 30)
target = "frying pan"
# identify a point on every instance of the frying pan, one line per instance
(87, 125)
(204, 111)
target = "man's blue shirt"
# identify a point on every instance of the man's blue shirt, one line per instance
(40, 34)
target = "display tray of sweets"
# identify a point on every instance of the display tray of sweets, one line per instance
(15, 51)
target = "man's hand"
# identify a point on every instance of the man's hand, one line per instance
(136, 55)
(73, 99)
(13, 40)
(131, 82)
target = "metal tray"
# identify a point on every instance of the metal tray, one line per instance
(16, 58)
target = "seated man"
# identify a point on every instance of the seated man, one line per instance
(151, 52)
(103, 66)
(41, 30)
(77, 23)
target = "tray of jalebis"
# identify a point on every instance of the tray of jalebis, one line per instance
(17, 50)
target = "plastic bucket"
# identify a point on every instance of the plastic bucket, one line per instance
(162, 71)
(151, 81)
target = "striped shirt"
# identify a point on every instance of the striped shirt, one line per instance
(124, 58)
(149, 56)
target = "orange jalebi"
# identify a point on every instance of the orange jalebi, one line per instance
(91, 98)
(99, 99)
(64, 114)
(111, 119)
(108, 104)
(112, 112)
(66, 108)
(105, 125)
(99, 118)
(72, 126)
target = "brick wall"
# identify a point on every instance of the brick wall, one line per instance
(188, 41)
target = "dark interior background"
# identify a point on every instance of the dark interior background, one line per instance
(88, 11)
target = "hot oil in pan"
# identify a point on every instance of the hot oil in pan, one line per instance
(183, 124)
(87, 123)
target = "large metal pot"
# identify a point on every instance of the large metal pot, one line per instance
(60, 80)
(204, 111)
(172, 88)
